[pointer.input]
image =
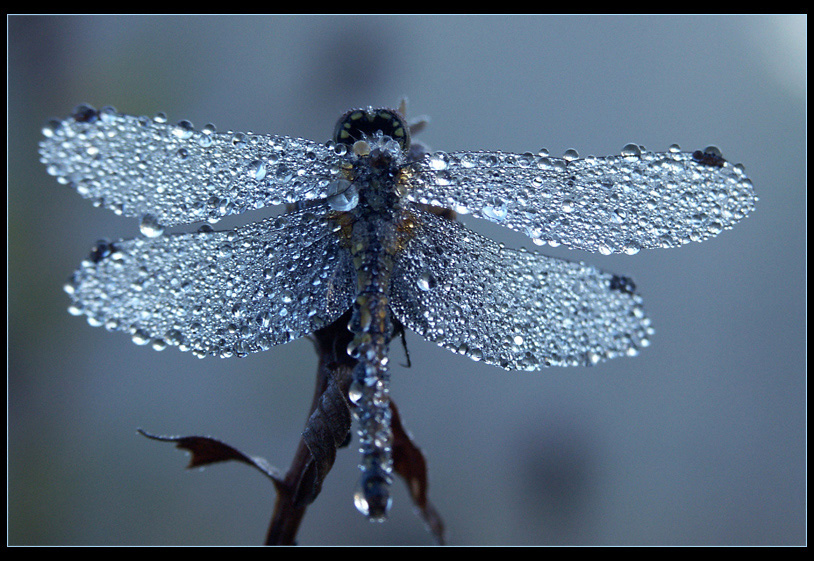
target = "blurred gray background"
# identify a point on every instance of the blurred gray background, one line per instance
(699, 440)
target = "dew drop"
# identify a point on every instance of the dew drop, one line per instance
(713, 151)
(150, 227)
(372, 498)
(342, 195)
(618, 216)
(427, 281)
(183, 130)
(140, 337)
(632, 248)
(257, 170)
(263, 319)
(238, 139)
(355, 391)
(715, 228)
(496, 210)
(631, 151)
(174, 337)
(107, 114)
(205, 139)
(51, 128)
(225, 250)
(439, 161)
(84, 114)
(283, 173)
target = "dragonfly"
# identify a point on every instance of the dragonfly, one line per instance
(363, 232)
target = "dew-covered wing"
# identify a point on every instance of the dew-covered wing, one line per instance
(514, 309)
(614, 204)
(139, 166)
(219, 293)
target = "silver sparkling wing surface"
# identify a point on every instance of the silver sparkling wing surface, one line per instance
(139, 166)
(220, 293)
(514, 309)
(614, 204)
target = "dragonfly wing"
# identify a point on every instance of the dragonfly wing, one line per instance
(138, 166)
(219, 293)
(610, 205)
(514, 309)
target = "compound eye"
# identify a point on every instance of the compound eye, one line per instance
(360, 124)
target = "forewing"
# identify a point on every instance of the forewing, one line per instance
(138, 166)
(219, 293)
(514, 309)
(610, 205)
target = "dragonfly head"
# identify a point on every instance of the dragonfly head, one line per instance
(361, 124)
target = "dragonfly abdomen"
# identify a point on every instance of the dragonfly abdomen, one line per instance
(372, 327)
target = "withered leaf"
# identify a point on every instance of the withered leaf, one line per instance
(327, 429)
(206, 450)
(409, 463)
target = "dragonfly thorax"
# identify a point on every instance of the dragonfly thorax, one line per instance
(369, 176)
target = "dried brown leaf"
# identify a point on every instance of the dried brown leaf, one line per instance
(206, 450)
